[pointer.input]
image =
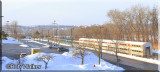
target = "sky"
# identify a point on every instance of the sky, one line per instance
(65, 12)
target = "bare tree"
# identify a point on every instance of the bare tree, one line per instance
(45, 59)
(97, 33)
(98, 49)
(21, 62)
(116, 41)
(7, 27)
(80, 52)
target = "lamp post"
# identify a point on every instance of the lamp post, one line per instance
(54, 31)
(48, 36)
(101, 39)
(71, 37)
(7, 24)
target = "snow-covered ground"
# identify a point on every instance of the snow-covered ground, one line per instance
(24, 45)
(131, 57)
(155, 51)
(64, 61)
(10, 40)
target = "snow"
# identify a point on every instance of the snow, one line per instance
(64, 61)
(10, 40)
(141, 59)
(104, 40)
(155, 51)
(45, 46)
(24, 45)
(64, 44)
(35, 41)
(131, 57)
(26, 39)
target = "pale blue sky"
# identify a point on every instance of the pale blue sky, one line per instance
(65, 12)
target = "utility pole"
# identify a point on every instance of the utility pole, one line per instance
(54, 31)
(42, 34)
(57, 34)
(71, 37)
(48, 36)
(7, 25)
(101, 40)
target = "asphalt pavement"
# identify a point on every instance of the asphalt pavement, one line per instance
(13, 51)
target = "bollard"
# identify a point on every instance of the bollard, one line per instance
(31, 51)
(35, 50)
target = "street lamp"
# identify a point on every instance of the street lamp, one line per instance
(101, 39)
(71, 36)
(7, 23)
(54, 31)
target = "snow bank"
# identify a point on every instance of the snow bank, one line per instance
(30, 40)
(11, 40)
(6, 61)
(26, 39)
(46, 46)
(24, 45)
(155, 51)
(65, 61)
(131, 57)
(35, 42)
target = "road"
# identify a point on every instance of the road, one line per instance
(128, 64)
(13, 51)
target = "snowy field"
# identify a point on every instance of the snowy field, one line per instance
(24, 45)
(63, 61)
(10, 40)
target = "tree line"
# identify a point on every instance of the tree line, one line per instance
(137, 23)
(13, 29)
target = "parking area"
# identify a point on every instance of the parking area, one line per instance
(13, 51)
